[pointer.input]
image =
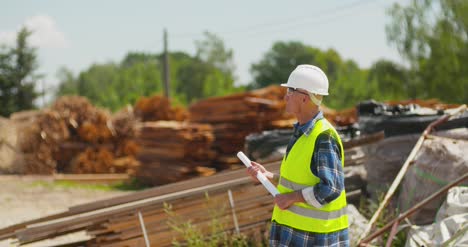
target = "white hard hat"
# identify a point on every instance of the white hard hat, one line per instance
(310, 78)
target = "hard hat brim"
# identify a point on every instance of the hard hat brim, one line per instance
(318, 93)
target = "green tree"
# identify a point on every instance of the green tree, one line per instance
(277, 64)
(212, 50)
(347, 80)
(17, 75)
(388, 81)
(68, 83)
(209, 73)
(114, 85)
(432, 35)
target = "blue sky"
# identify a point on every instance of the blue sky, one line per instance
(76, 34)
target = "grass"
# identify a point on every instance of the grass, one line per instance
(132, 185)
(368, 207)
(191, 235)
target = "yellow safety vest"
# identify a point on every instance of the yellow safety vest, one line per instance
(295, 174)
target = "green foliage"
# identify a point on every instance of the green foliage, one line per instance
(69, 185)
(277, 64)
(114, 85)
(132, 185)
(347, 81)
(432, 36)
(17, 75)
(192, 236)
(209, 73)
(368, 207)
(389, 81)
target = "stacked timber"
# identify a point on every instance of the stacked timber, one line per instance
(200, 201)
(73, 136)
(251, 212)
(170, 151)
(235, 116)
(156, 108)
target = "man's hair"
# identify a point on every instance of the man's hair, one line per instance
(315, 98)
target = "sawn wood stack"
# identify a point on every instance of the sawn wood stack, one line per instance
(234, 117)
(171, 151)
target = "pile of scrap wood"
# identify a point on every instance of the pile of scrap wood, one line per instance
(73, 136)
(156, 108)
(235, 116)
(171, 151)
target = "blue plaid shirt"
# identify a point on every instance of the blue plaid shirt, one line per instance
(326, 165)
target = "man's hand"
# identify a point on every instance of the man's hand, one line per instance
(284, 201)
(255, 168)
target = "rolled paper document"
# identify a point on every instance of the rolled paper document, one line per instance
(260, 176)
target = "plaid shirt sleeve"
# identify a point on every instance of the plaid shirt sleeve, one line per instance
(326, 165)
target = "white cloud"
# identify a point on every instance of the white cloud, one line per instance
(44, 33)
(7, 37)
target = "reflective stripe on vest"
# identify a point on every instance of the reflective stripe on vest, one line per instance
(307, 212)
(318, 214)
(296, 175)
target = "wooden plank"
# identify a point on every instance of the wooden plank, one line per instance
(166, 189)
(74, 223)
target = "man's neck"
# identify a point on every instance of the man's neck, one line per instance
(307, 116)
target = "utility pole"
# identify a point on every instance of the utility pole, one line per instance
(43, 93)
(166, 67)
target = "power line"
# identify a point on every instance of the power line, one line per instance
(288, 24)
(281, 25)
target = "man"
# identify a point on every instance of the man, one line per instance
(311, 207)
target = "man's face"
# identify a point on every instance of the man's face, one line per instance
(294, 98)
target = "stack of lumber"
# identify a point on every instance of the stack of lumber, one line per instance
(252, 210)
(156, 108)
(73, 136)
(234, 117)
(170, 151)
(115, 222)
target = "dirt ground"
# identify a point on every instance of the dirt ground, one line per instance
(27, 198)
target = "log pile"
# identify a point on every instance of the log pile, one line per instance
(234, 117)
(73, 136)
(171, 151)
(158, 108)
(39, 137)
